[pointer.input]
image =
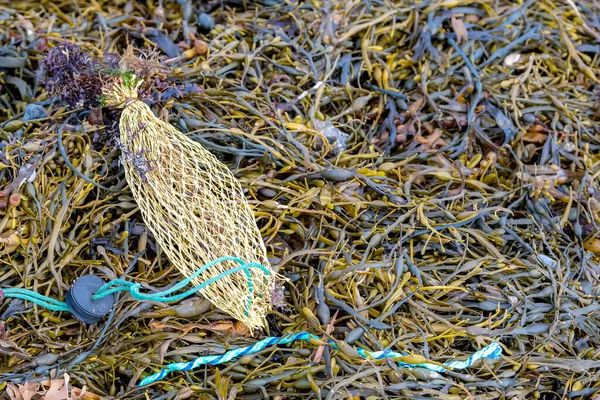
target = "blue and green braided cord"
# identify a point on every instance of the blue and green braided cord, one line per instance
(492, 351)
(224, 358)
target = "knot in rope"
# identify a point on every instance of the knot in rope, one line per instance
(123, 91)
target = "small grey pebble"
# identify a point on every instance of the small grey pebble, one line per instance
(34, 111)
(529, 118)
(206, 22)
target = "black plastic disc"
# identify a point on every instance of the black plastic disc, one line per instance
(80, 302)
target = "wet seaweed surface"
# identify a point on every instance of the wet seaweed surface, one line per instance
(425, 174)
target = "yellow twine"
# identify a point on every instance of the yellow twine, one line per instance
(194, 206)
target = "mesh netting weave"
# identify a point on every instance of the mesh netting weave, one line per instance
(194, 206)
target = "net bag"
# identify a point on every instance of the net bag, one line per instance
(194, 206)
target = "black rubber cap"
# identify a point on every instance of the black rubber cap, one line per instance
(80, 302)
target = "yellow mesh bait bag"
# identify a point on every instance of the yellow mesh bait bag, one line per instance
(194, 206)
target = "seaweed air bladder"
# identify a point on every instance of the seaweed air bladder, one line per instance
(194, 206)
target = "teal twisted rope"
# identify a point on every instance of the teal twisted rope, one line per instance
(118, 285)
(230, 355)
(492, 351)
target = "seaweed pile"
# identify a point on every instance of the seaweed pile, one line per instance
(425, 174)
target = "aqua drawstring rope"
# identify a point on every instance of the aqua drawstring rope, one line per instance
(491, 351)
(117, 285)
(165, 296)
